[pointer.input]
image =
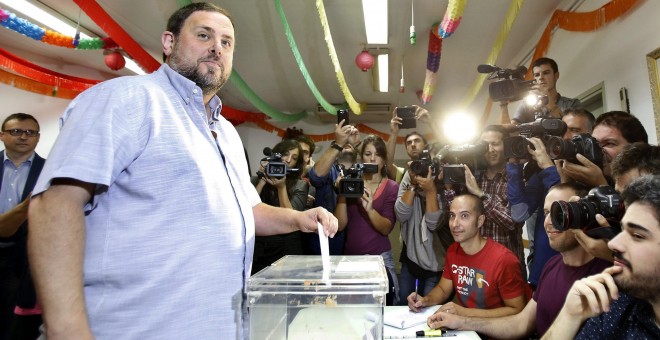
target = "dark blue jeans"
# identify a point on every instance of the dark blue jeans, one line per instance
(407, 284)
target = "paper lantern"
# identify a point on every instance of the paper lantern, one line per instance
(364, 60)
(115, 60)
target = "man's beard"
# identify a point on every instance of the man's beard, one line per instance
(642, 286)
(209, 82)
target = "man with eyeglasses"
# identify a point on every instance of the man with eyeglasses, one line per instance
(19, 171)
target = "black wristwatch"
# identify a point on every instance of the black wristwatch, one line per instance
(336, 146)
(485, 196)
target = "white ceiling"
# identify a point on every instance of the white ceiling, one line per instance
(265, 61)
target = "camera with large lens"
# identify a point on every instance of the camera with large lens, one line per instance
(509, 85)
(583, 144)
(352, 185)
(582, 214)
(274, 167)
(420, 166)
(549, 130)
(453, 157)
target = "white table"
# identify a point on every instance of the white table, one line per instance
(409, 333)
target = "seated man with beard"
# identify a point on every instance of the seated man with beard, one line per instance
(624, 300)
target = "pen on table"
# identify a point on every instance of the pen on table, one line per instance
(431, 333)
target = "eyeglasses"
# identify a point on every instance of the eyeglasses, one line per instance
(19, 132)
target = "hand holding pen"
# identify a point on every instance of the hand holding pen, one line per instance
(415, 301)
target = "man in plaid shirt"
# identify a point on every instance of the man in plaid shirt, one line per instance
(491, 186)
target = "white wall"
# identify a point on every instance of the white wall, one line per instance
(614, 55)
(45, 109)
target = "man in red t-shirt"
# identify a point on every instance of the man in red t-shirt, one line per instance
(484, 274)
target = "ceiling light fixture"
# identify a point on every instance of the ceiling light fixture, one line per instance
(375, 21)
(56, 24)
(383, 74)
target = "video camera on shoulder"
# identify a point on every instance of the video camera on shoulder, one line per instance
(352, 185)
(549, 130)
(274, 167)
(509, 85)
(582, 214)
(453, 157)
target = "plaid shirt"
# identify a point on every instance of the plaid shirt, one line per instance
(498, 225)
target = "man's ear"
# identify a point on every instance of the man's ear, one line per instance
(556, 76)
(167, 39)
(482, 219)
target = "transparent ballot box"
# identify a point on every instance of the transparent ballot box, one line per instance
(295, 299)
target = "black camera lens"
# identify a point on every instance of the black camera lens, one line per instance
(420, 167)
(559, 148)
(515, 147)
(572, 215)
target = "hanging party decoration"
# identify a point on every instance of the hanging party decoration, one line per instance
(35, 72)
(28, 29)
(451, 20)
(301, 64)
(260, 104)
(580, 22)
(503, 33)
(413, 35)
(364, 60)
(34, 86)
(127, 43)
(356, 107)
(446, 28)
(115, 60)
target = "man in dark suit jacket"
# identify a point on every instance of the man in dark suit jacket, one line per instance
(19, 171)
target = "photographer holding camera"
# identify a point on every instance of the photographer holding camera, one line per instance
(415, 142)
(279, 184)
(613, 130)
(419, 208)
(546, 74)
(622, 301)
(323, 176)
(635, 160)
(369, 218)
(491, 186)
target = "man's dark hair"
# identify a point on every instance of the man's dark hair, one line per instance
(308, 141)
(20, 117)
(546, 61)
(282, 148)
(644, 190)
(479, 203)
(381, 149)
(496, 128)
(578, 189)
(415, 133)
(641, 156)
(178, 18)
(584, 113)
(630, 127)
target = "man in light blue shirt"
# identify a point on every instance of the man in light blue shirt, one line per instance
(146, 201)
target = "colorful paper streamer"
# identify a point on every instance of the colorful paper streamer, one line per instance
(356, 107)
(502, 35)
(28, 29)
(448, 25)
(301, 64)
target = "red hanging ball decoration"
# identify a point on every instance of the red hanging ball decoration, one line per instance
(364, 60)
(115, 60)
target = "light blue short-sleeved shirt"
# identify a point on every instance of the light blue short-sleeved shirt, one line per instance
(170, 231)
